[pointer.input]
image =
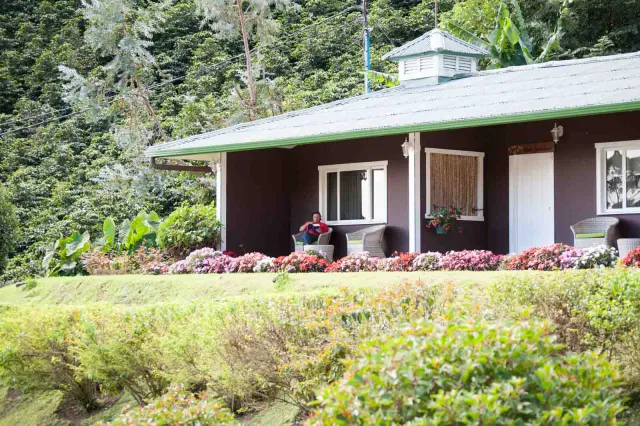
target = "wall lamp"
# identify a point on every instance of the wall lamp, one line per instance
(557, 133)
(406, 148)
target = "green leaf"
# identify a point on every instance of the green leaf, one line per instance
(109, 231)
(76, 244)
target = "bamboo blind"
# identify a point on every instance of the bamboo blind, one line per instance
(454, 182)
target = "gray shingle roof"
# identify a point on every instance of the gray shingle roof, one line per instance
(542, 91)
(422, 45)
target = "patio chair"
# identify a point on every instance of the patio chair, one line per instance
(367, 239)
(595, 231)
(299, 245)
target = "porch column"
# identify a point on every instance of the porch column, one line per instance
(415, 231)
(219, 166)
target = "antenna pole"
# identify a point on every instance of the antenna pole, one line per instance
(367, 48)
(436, 13)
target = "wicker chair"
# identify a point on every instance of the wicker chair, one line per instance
(606, 225)
(367, 239)
(323, 240)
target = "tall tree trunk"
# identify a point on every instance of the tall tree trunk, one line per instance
(247, 53)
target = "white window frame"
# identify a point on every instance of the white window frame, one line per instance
(322, 184)
(480, 157)
(601, 179)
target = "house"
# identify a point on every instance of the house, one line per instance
(478, 140)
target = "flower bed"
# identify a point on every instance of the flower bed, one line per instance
(210, 261)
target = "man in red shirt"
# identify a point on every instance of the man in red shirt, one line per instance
(312, 230)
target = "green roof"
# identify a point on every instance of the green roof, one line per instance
(550, 90)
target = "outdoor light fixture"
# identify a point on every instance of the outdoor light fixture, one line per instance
(406, 148)
(557, 132)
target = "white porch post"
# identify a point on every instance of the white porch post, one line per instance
(220, 169)
(415, 231)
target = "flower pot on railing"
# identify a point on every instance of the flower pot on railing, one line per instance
(441, 230)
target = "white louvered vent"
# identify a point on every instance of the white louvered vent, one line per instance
(449, 62)
(427, 63)
(464, 64)
(412, 65)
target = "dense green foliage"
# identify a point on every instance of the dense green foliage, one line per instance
(71, 173)
(8, 228)
(189, 228)
(472, 374)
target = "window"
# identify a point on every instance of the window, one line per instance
(354, 193)
(618, 177)
(455, 179)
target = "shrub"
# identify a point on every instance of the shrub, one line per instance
(8, 228)
(144, 260)
(265, 265)
(399, 262)
(189, 228)
(355, 262)
(248, 262)
(471, 260)
(300, 262)
(539, 258)
(589, 258)
(593, 310)
(36, 354)
(632, 259)
(177, 407)
(430, 261)
(291, 347)
(123, 349)
(478, 373)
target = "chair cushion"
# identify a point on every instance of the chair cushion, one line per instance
(590, 235)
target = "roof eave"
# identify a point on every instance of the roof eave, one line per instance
(398, 58)
(429, 127)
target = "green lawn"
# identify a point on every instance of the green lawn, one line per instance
(149, 289)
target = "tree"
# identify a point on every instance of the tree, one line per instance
(509, 43)
(8, 228)
(230, 18)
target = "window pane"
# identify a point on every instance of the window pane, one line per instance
(633, 177)
(614, 179)
(353, 195)
(379, 193)
(454, 182)
(332, 196)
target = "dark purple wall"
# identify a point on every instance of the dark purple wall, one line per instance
(303, 186)
(474, 235)
(272, 192)
(258, 202)
(575, 169)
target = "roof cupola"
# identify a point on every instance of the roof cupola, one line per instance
(435, 57)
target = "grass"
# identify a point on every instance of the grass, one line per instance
(150, 289)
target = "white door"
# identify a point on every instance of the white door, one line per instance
(531, 220)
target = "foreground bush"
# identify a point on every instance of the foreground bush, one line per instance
(177, 407)
(472, 374)
(593, 310)
(188, 228)
(37, 354)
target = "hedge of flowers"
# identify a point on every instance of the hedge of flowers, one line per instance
(210, 261)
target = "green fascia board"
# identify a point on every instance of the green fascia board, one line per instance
(433, 53)
(386, 131)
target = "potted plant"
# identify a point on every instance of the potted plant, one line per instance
(445, 220)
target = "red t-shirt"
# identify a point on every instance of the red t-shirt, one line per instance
(317, 228)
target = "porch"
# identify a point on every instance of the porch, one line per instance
(271, 192)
